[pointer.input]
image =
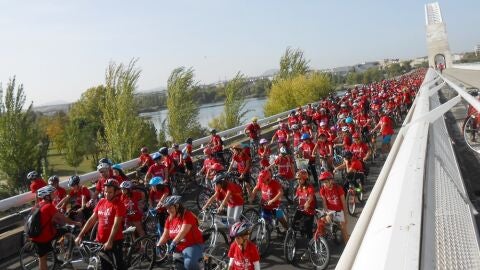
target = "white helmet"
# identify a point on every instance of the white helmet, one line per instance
(103, 166)
(126, 184)
(345, 129)
(45, 191)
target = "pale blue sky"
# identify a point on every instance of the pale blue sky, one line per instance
(58, 49)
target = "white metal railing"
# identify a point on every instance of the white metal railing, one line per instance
(470, 66)
(27, 197)
(388, 232)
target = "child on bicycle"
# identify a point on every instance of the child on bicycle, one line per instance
(131, 199)
(243, 253)
(306, 203)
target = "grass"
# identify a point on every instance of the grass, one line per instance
(58, 166)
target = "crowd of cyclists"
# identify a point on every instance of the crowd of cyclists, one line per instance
(314, 153)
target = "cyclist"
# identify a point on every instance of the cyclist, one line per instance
(227, 193)
(306, 203)
(306, 128)
(176, 156)
(209, 161)
(216, 144)
(168, 162)
(119, 174)
(78, 197)
(186, 157)
(49, 216)
(284, 163)
(243, 162)
(131, 199)
(243, 253)
(253, 130)
(272, 193)
(296, 136)
(359, 149)
(105, 173)
(306, 150)
(159, 191)
(322, 128)
(36, 182)
(333, 197)
(181, 228)
(385, 124)
(264, 153)
(157, 169)
(145, 161)
(281, 134)
(109, 213)
(60, 192)
(354, 168)
(292, 119)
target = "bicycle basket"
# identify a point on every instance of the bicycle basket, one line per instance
(302, 163)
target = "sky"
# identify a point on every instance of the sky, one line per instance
(58, 49)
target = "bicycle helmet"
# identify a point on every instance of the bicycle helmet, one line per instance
(325, 176)
(175, 145)
(189, 141)
(333, 129)
(305, 136)
(213, 131)
(348, 155)
(103, 166)
(73, 180)
(263, 141)
(356, 136)
(349, 120)
(283, 150)
(105, 160)
(217, 167)
(157, 180)
(345, 129)
(254, 119)
(322, 124)
(156, 156)
(117, 167)
(303, 174)
(45, 191)
(239, 228)
(53, 179)
(343, 105)
(264, 175)
(126, 184)
(163, 151)
(304, 122)
(32, 175)
(112, 183)
(144, 150)
(219, 178)
(294, 126)
(171, 200)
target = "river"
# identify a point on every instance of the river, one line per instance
(209, 111)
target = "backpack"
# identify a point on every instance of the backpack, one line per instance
(33, 226)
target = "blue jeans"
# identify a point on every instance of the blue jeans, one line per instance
(191, 256)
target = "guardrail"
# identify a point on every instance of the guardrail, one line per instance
(388, 234)
(472, 66)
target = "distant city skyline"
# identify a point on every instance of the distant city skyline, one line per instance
(58, 49)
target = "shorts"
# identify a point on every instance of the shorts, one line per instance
(386, 139)
(337, 216)
(189, 165)
(43, 249)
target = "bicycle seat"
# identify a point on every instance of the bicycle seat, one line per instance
(129, 230)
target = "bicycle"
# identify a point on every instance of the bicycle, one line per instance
(261, 231)
(288, 188)
(290, 243)
(354, 192)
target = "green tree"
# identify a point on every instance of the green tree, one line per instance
(124, 131)
(287, 94)
(74, 150)
(292, 63)
(182, 118)
(19, 138)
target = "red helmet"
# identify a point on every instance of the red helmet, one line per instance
(325, 176)
(217, 167)
(264, 175)
(207, 151)
(356, 136)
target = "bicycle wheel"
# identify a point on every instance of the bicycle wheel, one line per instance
(319, 252)
(29, 259)
(142, 254)
(150, 224)
(204, 220)
(216, 243)
(336, 234)
(251, 215)
(289, 246)
(203, 196)
(181, 184)
(261, 237)
(351, 205)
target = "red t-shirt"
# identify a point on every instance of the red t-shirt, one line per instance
(347, 141)
(147, 158)
(243, 260)
(216, 143)
(303, 194)
(60, 193)
(323, 148)
(187, 153)
(47, 211)
(156, 195)
(37, 184)
(333, 197)
(241, 160)
(131, 205)
(236, 198)
(281, 135)
(100, 184)
(296, 138)
(359, 150)
(387, 126)
(306, 148)
(107, 211)
(193, 237)
(253, 129)
(269, 191)
(356, 165)
(175, 156)
(169, 164)
(284, 167)
(76, 196)
(362, 120)
(157, 170)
